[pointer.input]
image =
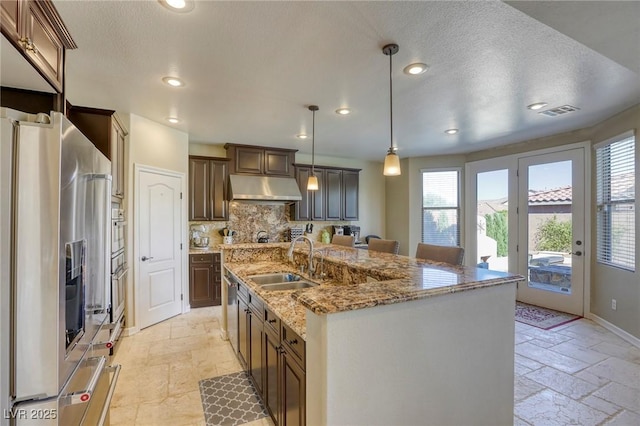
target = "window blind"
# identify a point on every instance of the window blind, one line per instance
(441, 207)
(615, 203)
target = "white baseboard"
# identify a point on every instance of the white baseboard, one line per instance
(615, 329)
(130, 331)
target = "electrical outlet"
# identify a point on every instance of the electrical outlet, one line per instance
(614, 304)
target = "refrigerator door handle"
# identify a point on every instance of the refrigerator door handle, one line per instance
(112, 387)
(82, 396)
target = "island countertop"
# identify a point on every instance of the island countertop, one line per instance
(358, 279)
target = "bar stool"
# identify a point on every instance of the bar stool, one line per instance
(384, 246)
(447, 254)
(343, 240)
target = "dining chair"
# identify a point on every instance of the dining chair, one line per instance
(448, 254)
(344, 240)
(384, 246)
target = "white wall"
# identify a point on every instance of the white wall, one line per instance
(156, 145)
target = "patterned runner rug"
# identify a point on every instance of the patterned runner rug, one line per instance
(230, 400)
(543, 318)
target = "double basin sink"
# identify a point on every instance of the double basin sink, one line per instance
(281, 281)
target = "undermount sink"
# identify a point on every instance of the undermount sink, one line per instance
(281, 281)
(294, 285)
(280, 277)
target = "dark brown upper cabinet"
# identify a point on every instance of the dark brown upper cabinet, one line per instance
(108, 134)
(38, 33)
(335, 199)
(255, 160)
(350, 194)
(208, 188)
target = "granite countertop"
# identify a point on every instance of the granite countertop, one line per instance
(360, 279)
(204, 250)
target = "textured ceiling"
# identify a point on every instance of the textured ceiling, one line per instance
(251, 69)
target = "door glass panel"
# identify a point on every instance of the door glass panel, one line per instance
(492, 220)
(549, 226)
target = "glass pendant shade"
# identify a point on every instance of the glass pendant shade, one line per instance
(391, 164)
(312, 183)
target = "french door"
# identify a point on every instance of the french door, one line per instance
(528, 213)
(551, 229)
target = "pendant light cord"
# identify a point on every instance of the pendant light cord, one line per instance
(313, 143)
(391, 103)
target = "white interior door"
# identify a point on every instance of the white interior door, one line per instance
(159, 225)
(551, 225)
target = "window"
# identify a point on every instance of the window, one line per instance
(441, 207)
(615, 202)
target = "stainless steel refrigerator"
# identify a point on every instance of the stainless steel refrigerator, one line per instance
(55, 189)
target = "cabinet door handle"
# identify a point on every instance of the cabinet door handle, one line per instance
(292, 342)
(271, 321)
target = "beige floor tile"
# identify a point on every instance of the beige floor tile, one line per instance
(183, 409)
(593, 379)
(564, 383)
(124, 416)
(602, 405)
(182, 379)
(618, 370)
(186, 330)
(524, 388)
(168, 358)
(628, 353)
(621, 395)
(580, 353)
(521, 370)
(625, 418)
(517, 421)
(549, 408)
(147, 384)
(549, 358)
(527, 362)
(228, 367)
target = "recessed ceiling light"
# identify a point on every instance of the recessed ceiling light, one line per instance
(415, 69)
(537, 106)
(173, 81)
(302, 136)
(181, 6)
(173, 120)
(343, 111)
(451, 131)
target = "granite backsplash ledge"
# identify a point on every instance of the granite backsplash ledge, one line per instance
(247, 219)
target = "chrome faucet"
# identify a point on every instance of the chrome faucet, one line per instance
(318, 272)
(290, 252)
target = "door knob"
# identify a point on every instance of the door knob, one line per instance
(145, 258)
(578, 253)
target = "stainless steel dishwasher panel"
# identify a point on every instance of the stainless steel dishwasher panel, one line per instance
(232, 308)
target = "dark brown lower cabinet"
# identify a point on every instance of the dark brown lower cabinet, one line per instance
(273, 355)
(205, 280)
(271, 365)
(292, 392)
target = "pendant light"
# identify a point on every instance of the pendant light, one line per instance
(312, 183)
(391, 161)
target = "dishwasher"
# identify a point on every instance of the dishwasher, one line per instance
(232, 308)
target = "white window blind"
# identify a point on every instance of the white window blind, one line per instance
(615, 199)
(441, 207)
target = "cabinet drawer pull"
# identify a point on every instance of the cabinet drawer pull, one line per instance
(271, 321)
(293, 342)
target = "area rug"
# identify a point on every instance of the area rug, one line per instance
(230, 400)
(543, 318)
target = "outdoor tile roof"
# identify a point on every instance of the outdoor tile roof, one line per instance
(551, 196)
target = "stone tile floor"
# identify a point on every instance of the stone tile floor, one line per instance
(577, 374)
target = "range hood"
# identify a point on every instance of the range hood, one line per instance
(263, 188)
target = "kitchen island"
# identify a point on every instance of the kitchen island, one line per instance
(392, 339)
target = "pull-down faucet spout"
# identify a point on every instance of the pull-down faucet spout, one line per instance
(290, 251)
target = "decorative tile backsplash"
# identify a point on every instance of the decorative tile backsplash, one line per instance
(247, 219)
